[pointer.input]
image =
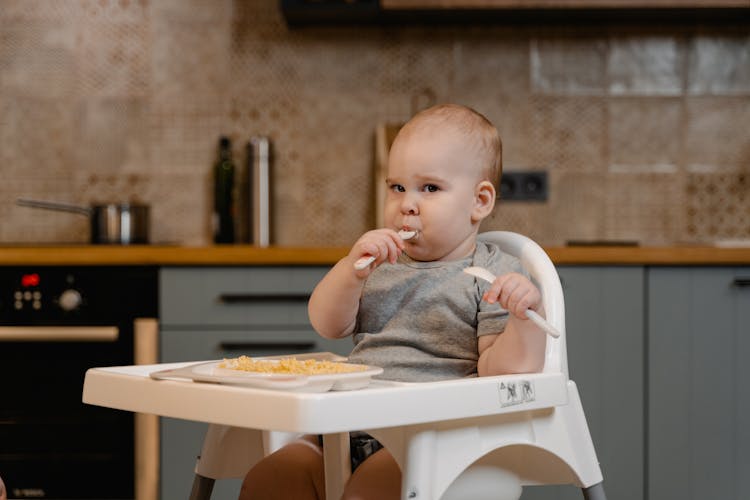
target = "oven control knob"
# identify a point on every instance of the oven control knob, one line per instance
(69, 300)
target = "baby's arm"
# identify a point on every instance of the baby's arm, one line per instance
(334, 303)
(520, 348)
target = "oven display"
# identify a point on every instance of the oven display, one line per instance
(30, 280)
(28, 294)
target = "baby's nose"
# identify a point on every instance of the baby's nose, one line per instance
(409, 205)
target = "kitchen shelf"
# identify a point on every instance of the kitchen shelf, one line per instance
(302, 13)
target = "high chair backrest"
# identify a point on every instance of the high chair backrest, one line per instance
(538, 264)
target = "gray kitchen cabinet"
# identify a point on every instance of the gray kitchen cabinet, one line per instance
(698, 372)
(605, 338)
(236, 297)
(209, 313)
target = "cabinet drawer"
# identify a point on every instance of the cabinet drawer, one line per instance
(236, 296)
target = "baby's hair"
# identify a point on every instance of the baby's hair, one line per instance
(474, 125)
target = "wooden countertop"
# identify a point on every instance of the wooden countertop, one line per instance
(168, 255)
(249, 255)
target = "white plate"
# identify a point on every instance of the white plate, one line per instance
(210, 372)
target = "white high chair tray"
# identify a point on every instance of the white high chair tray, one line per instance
(210, 371)
(380, 404)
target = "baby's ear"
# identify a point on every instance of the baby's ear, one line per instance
(484, 201)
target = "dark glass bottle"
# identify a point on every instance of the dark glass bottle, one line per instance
(223, 215)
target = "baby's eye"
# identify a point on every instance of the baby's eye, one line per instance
(431, 188)
(397, 188)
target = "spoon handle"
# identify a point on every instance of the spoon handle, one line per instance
(364, 262)
(542, 323)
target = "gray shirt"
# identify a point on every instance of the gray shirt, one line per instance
(420, 320)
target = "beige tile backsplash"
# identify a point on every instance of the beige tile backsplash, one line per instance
(645, 133)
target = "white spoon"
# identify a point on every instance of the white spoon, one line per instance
(484, 274)
(365, 261)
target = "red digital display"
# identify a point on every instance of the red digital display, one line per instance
(29, 280)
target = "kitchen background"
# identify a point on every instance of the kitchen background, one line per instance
(645, 132)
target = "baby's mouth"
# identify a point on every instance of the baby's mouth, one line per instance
(407, 234)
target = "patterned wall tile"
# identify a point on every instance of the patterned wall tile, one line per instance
(211, 15)
(37, 136)
(644, 207)
(574, 211)
(115, 11)
(569, 133)
(718, 206)
(644, 134)
(183, 133)
(104, 100)
(416, 59)
(7, 153)
(189, 59)
(114, 187)
(37, 58)
(645, 65)
(180, 207)
(260, 20)
(337, 175)
(716, 133)
(569, 65)
(576, 206)
(719, 65)
(492, 62)
(113, 48)
(531, 219)
(113, 136)
(14, 11)
(492, 76)
(513, 118)
(112, 59)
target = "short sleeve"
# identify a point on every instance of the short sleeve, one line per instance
(491, 318)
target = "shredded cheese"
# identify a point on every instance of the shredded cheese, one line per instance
(289, 366)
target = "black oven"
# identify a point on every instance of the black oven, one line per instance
(55, 323)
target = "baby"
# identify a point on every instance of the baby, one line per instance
(412, 311)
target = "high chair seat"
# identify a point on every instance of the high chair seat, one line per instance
(528, 426)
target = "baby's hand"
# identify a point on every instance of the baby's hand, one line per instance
(382, 244)
(515, 293)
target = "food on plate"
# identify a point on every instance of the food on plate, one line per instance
(289, 366)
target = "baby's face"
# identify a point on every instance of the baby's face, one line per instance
(432, 180)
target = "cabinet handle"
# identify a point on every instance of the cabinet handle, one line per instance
(741, 282)
(248, 298)
(245, 346)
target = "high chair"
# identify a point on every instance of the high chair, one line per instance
(526, 426)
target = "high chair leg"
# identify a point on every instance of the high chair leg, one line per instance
(202, 488)
(595, 492)
(336, 462)
(417, 479)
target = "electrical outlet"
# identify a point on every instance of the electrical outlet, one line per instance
(529, 185)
